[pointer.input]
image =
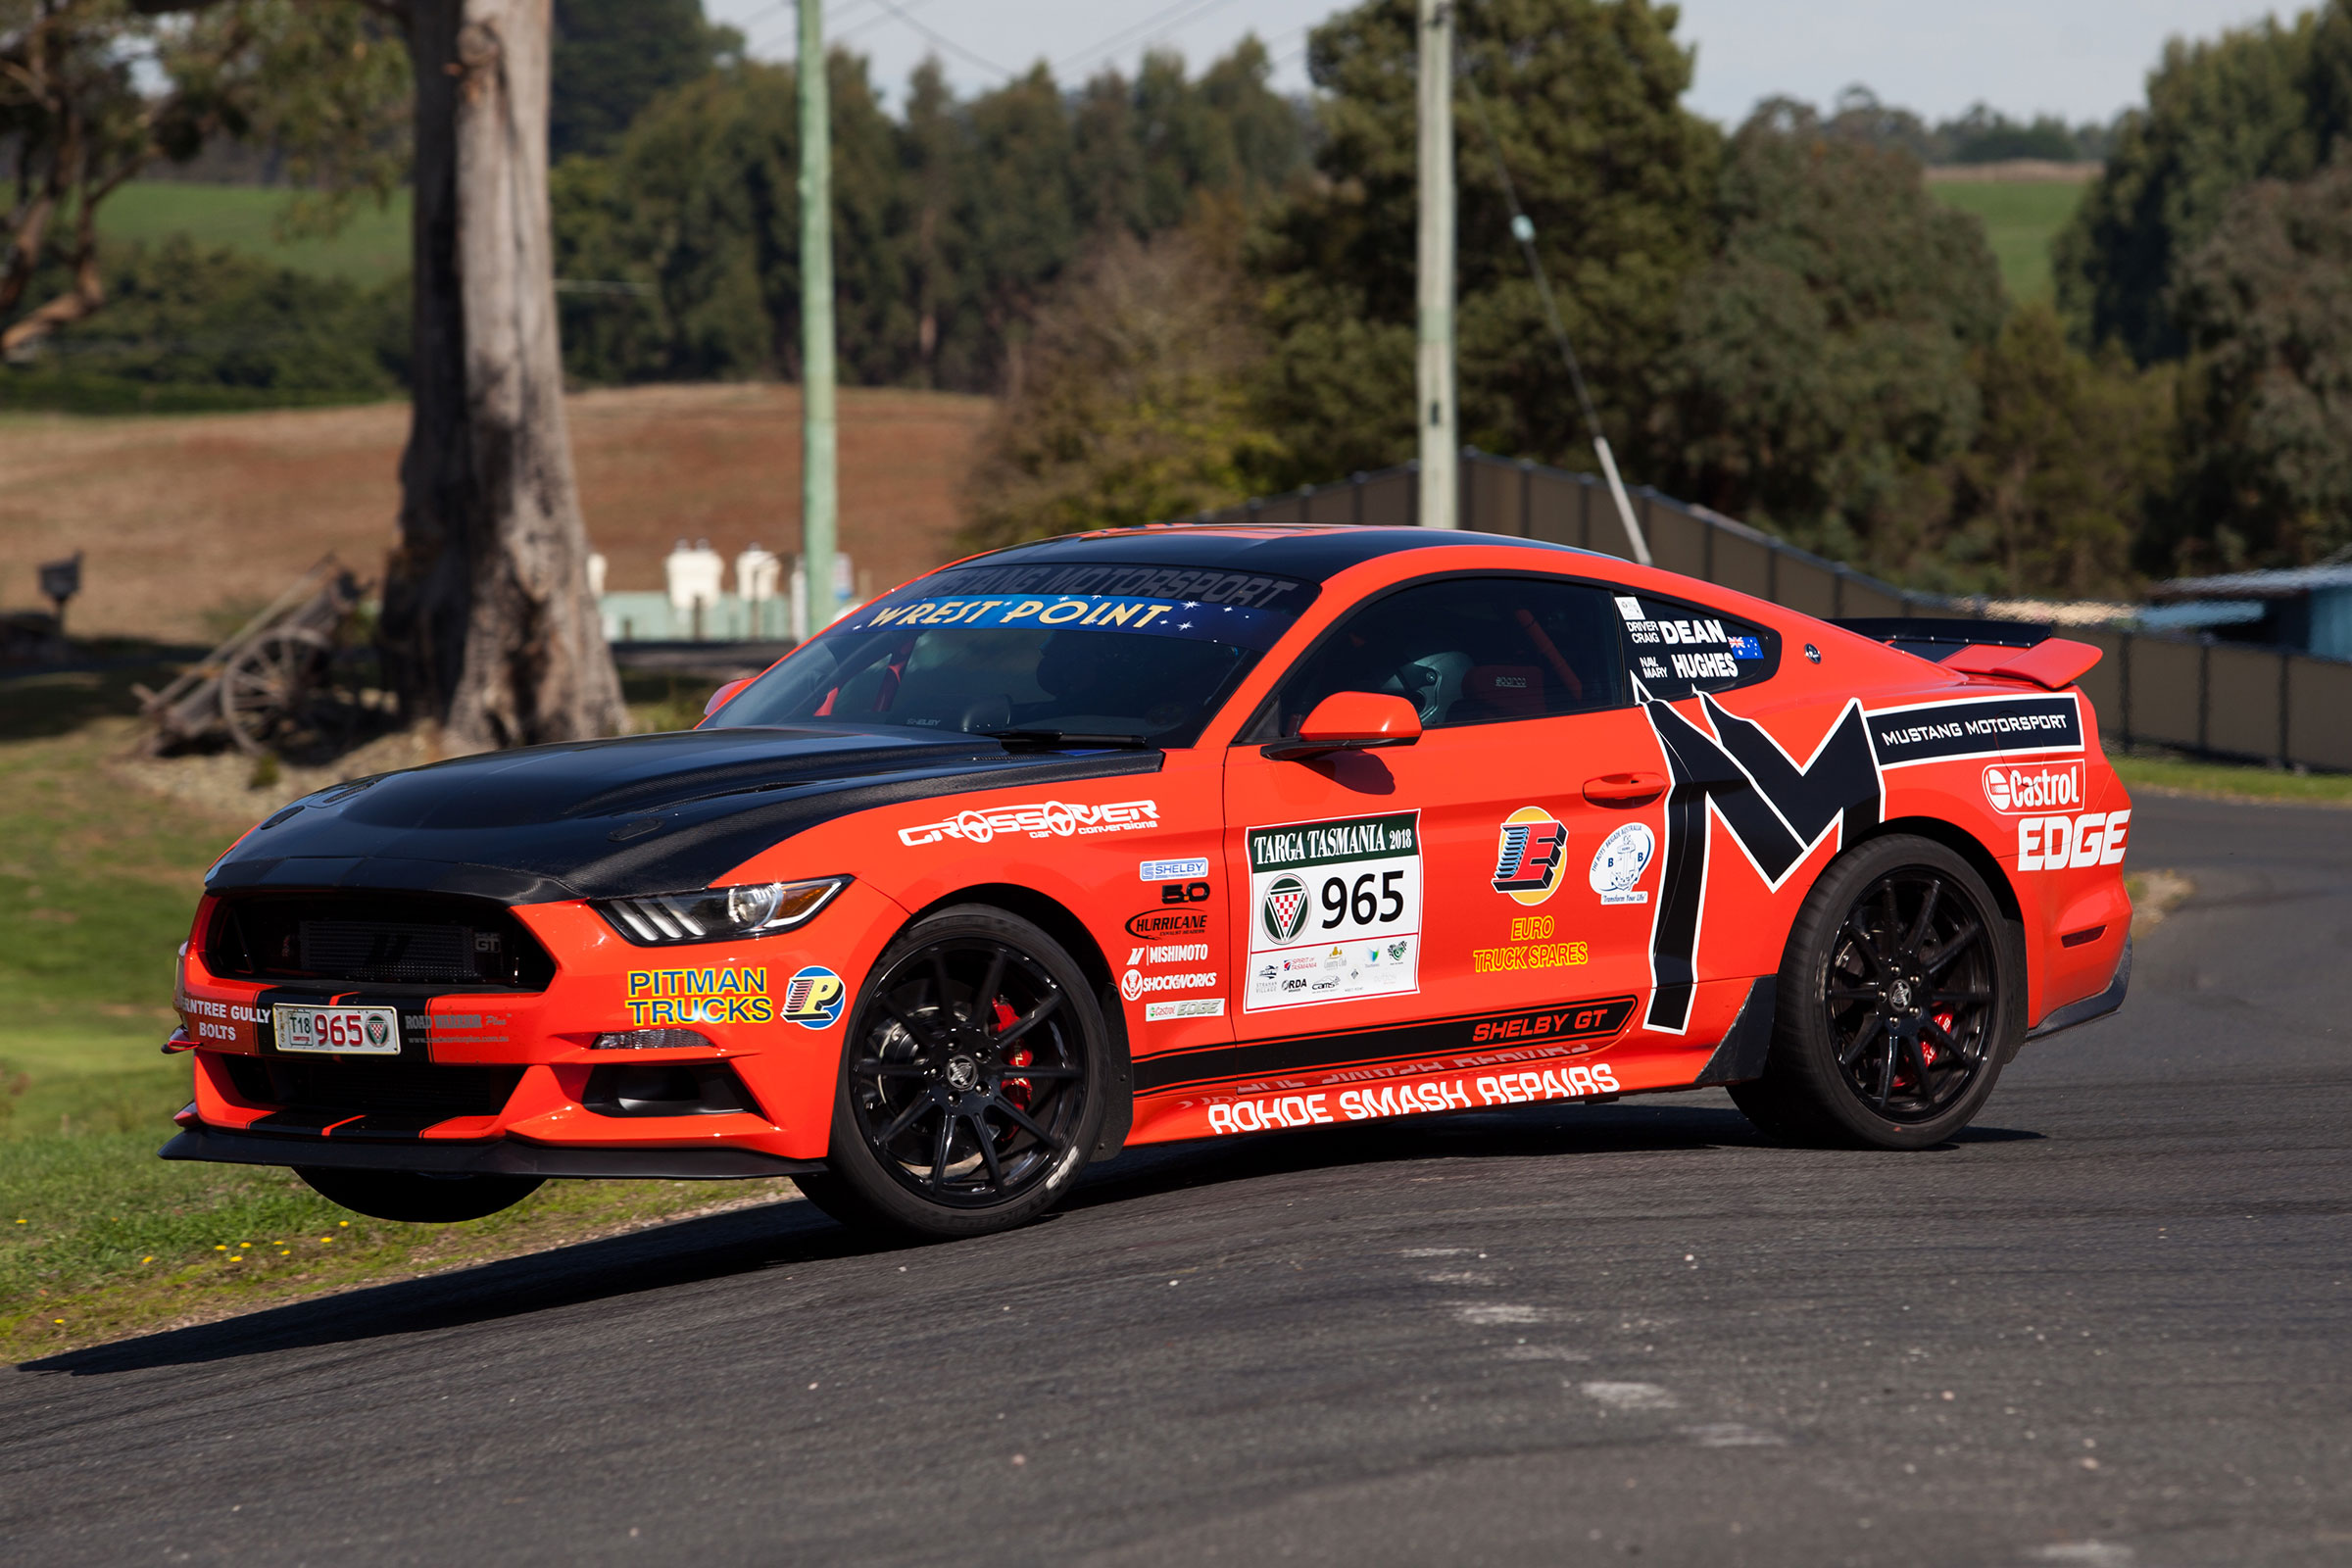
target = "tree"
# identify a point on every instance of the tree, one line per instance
(2071, 455)
(614, 57)
(93, 91)
(1134, 403)
(2249, 105)
(2265, 303)
(1819, 375)
(488, 629)
(1583, 96)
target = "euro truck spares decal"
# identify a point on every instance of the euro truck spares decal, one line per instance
(724, 995)
(1040, 820)
(1984, 727)
(1334, 910)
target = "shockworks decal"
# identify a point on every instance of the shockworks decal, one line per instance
(1777, 811)
(1334, 910)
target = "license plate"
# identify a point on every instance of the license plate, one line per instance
(344, 1031)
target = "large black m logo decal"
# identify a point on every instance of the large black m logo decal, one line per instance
(1778, 812)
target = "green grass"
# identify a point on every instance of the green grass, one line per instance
(2230, 781)
(98, 1238)
(372, 246)
(2021, 219)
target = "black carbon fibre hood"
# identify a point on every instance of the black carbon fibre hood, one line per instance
(648, 813)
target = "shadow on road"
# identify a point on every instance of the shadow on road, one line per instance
(745, 1241)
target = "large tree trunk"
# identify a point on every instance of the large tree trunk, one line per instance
(488, 627)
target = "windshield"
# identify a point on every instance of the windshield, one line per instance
(1099, 655)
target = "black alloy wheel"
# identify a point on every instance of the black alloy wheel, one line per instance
(969, 1097)
(1901, 995)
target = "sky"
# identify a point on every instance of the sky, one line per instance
(2078, 59)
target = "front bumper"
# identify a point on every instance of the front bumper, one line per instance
(492, 1156)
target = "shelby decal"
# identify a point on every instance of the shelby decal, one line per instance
(1044, 819)
(1777, 812)
(2058, 843)
(1134, 983)
(1582, 1020)
(1192, 1007)
(1984, 727)
(2034, 786)
(1527, 860)
(1334, 910)
(1171, 870)
(1157, 925)
(1620, 862)
(699, 996)
(812, 997)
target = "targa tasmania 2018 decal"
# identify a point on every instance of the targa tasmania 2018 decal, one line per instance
(1334, 910)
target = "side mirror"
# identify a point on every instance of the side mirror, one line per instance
(726, 693)
(1351, 721)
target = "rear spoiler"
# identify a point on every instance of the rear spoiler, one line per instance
(2012, 649)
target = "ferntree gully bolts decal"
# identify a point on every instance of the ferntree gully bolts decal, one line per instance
(1526, 862)
(1043, 819)
(1334, 910)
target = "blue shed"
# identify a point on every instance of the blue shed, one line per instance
(2304, 608)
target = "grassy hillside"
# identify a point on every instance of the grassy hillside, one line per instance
(371, 247)
(2021, 217)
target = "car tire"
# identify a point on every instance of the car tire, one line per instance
(416, 1197)
(1902, 991)
(973, 1081)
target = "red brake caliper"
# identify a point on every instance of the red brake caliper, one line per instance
(1927, 1046)
(1016, 1090)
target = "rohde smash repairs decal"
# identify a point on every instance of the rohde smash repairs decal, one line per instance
(1334, 910)
(1044, 819)
(720, 995)
(1777, 812)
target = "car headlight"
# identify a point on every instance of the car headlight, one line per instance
(717, 914)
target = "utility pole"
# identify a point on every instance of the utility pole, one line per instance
(1441, 447)
(818, 497)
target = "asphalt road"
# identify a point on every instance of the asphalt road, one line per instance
(2111, 1326)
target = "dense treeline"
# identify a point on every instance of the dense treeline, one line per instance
(952, 218)
(1187, 288)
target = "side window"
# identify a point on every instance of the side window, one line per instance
(1465, 650)
(1677, 650)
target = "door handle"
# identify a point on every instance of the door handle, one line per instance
(1625, 789)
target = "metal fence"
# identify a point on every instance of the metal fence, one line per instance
(2193, 694)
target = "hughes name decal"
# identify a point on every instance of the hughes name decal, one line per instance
(1044, 819)
(1334, 910)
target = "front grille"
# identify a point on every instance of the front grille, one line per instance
(375, 938)
(357, 1085)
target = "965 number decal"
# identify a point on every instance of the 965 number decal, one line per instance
(1334, 910)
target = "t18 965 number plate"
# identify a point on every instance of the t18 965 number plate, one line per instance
(351, 1031)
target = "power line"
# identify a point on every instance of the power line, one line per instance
(1523, 230)
(1128, 34)
(949, 44)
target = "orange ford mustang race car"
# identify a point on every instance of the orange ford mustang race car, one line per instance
(1177, 832)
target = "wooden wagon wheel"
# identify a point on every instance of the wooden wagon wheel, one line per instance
(268, 687)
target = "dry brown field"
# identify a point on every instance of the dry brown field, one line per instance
(180, 514)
